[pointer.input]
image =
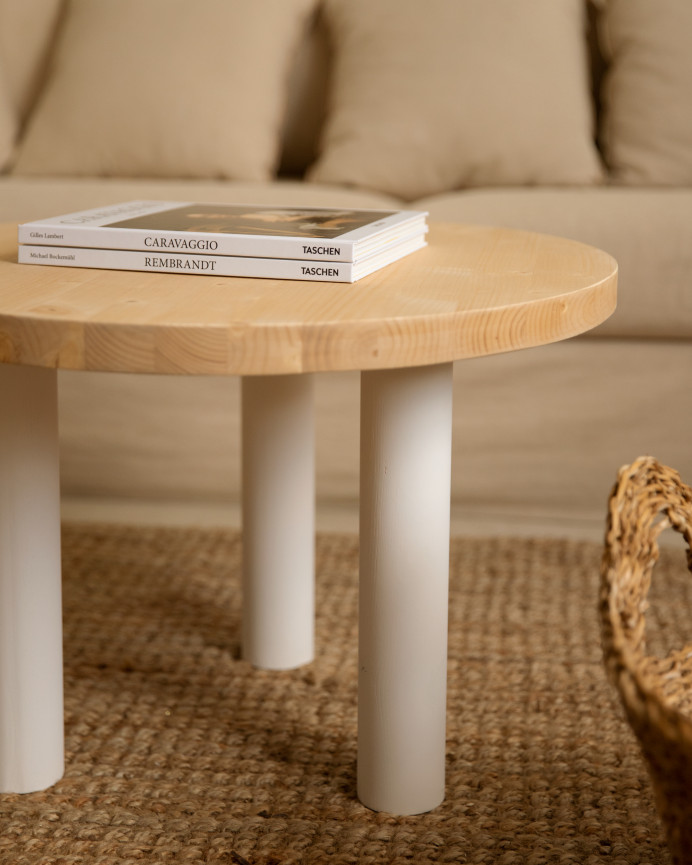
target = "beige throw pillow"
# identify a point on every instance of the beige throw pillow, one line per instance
(647, 91)
(166, 88)
(434, 96)
(27, 30)
(8, 125)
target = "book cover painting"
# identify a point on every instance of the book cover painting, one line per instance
(266, 221)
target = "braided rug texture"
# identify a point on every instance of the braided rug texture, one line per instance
(179, 752)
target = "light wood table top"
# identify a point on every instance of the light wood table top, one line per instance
(473, 291)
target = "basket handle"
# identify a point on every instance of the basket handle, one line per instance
(647, 498)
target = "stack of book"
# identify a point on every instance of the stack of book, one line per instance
(226, 240)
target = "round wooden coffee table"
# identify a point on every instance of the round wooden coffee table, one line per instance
(473, 291)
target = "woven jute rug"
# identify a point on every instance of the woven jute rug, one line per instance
(179, 751)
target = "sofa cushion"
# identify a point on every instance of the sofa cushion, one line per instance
(8, 124)
(647, 92)
(647, 231)
(307, 99)
(27, 30)
(166, 88)
(428, 97)
(23, 199)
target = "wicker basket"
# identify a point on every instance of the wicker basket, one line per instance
(656, 693)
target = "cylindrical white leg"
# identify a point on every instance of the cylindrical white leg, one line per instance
(31, 678)
(406, 431)
(278, 520)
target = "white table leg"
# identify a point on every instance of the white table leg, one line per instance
(406, 432)
(31, 677)
(278, 520)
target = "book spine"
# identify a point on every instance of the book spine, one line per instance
(172, 243)
(206, 265)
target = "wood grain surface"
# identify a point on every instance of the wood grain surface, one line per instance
(473, 291)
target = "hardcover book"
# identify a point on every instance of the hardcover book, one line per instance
(183, 228)
(173, 261)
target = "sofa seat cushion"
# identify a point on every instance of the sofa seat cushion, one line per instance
(25, 198)
(427, 97)
(166, 88)
(648, 232)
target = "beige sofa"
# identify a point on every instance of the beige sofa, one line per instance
(560, 116)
